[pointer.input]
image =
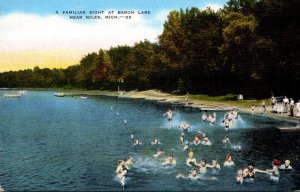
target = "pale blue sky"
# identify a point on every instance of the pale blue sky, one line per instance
(32, 34)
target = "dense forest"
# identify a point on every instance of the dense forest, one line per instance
(248, 46)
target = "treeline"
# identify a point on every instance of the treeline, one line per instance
(249, 47)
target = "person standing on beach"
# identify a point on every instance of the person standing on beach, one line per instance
(263, 107)
(292, 105)
(273, 100)
(252, 109)
(298, 109)
(285, 102)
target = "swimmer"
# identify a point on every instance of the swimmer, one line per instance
(129, 161)
(155, 142)
(205, 140)
(209, 118)
(191, 160)
(160, 152)
(186, 146)
(215, 165)
(117, 113)
(240, 177)
(226, 140)
(197, 140)
(274, 171)
(286, 165)
(1, 189)
(169, 114)
(202, 166)
(213, 120)
(235, 113)
(121, 165)
(181, 138)
(192, 175)
(235, 147)
(137, 142)
(226, 124)
(125, 121)
(250, 171)
(122, 176)
(204, 117)
(132, 135)
(185, 126)
(228, 161)
(170, 161)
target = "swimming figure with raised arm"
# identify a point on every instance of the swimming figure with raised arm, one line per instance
(185, 126)
(193, 175)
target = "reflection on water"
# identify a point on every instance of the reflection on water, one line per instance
(51, 143)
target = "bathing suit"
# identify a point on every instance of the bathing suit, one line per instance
(169, 119)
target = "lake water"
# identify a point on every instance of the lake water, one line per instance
(63, 143)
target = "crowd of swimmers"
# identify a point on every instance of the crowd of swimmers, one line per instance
(199, 168)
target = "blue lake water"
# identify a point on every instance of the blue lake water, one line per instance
(64, 143)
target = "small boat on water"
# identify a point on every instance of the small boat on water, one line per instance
(11, 95)
(59, 94)
(83, 97)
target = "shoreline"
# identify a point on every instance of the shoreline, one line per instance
(208, 104)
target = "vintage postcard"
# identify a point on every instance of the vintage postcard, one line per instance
(149, 95)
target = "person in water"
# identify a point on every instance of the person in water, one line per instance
(137, 142)
(121, 166)
(190, 160)
(160, 152)
(122, 176)
(129, 161)
(228, 161)
(226, 124)
(185, 126)
(169, 114)
(226, 140)
(155, 142)
(132, 135)
(240, 176)
(186, 146)
(170, 161)
(205, 140)
(274, 171)
(192, 175)
(204, 117)
(181, 138)
(250, 171)
(215, 165)
(286, 165)
(197, 140)
(203, 166)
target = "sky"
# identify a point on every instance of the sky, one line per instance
(41, 32)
